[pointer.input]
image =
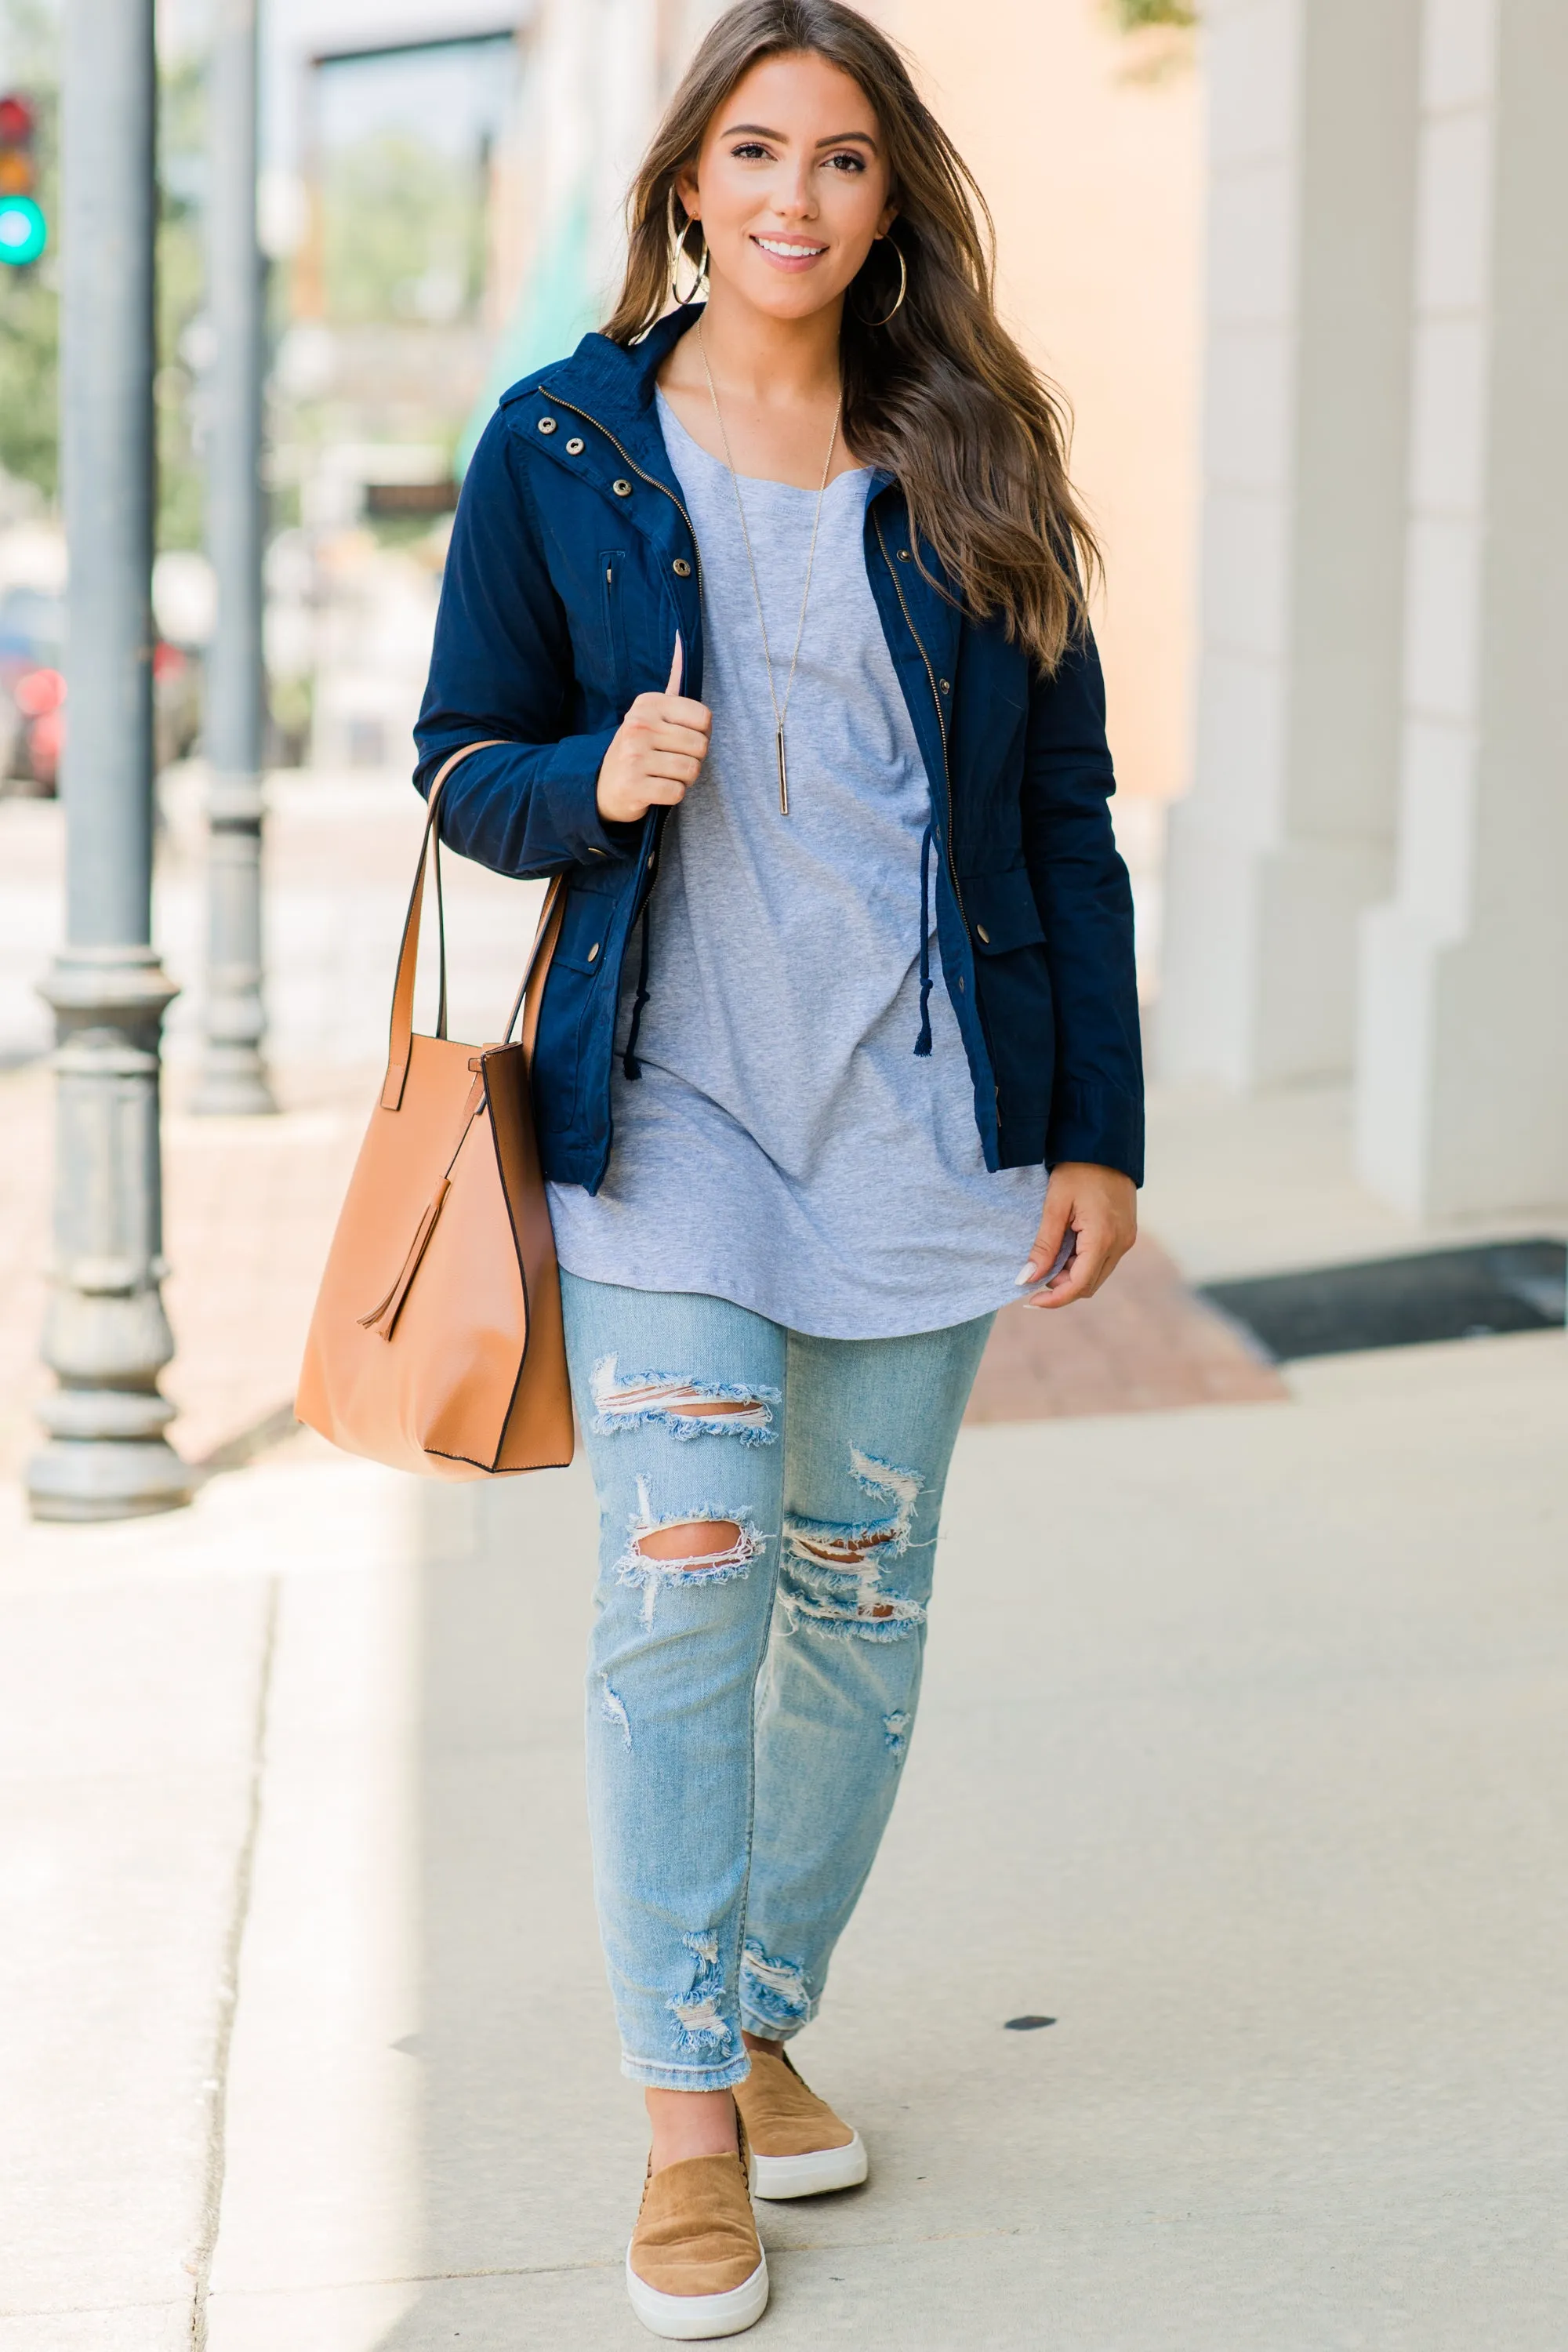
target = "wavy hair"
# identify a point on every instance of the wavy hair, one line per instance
(941, 395)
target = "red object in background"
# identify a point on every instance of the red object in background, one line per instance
(17, 120)
(168, 661)
(45, 741)
(38, 692)
(39, 695)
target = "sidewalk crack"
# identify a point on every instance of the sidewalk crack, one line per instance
(199, 2262)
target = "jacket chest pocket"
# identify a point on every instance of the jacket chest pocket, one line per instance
(613, 589)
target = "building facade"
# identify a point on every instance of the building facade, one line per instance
(1368, 881)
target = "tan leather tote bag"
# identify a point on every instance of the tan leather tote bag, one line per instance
(437, 1343)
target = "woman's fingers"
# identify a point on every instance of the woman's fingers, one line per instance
(656, 717)
(1099, 1206)
(1047, 1241)
(691, 742)
(677, 714)
(657, 754)
(1081, 1278)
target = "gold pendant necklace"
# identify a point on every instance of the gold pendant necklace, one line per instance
(780, 711)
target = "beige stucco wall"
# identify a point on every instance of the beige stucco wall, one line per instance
(1088, 146)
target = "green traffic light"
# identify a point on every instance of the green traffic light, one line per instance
(23, 232)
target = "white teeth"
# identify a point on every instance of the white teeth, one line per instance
(788, 252)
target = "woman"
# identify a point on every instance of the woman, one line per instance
(777, 602)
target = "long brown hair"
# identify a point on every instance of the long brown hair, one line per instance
(941, 396)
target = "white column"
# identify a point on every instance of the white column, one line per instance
(1463, 1079)
(1287, 834)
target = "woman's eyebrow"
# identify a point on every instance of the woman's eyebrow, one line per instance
(761, 130)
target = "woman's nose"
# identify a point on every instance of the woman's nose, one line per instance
(792, 195)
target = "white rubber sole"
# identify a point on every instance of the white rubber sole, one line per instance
(696, 2318)
(778, 2176)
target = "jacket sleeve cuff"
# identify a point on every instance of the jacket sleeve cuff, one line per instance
(1097, 1124)
(569, 788)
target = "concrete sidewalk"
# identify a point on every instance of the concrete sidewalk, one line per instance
(1241, 1757)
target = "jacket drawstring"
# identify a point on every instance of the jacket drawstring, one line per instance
(629, 1062)
(922, 1043)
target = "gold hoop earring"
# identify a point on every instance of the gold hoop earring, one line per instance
(678, 254)
(903, 284)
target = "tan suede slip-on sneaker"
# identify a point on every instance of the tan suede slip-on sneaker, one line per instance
(695, 2267)
(799, 2146)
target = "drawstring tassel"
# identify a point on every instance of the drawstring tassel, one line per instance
(629, 1062)
(922, 1043)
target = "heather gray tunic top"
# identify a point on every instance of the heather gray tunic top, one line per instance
(785, 1148)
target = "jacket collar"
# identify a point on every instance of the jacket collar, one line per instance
(613, 384)
(620, 377)
(616, 383)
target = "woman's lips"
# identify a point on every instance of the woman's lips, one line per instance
(785, 254)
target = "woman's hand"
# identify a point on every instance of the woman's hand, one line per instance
(1099, 1207)
(657, 752)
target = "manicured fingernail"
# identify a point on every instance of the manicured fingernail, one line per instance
(1031, 1271)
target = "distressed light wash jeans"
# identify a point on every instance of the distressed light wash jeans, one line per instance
(749, 1700)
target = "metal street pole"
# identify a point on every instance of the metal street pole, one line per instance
(106, 1337)
(233, 1075)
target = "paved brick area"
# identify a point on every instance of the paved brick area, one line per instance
(250, 1203)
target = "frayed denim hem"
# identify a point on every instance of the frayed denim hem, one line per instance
(687, 2078)
(769, 2029)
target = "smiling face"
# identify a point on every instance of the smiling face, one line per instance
(791, 186)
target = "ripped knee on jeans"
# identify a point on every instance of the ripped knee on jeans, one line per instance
(831, 1576)
(698, 1547)
(683, 1546)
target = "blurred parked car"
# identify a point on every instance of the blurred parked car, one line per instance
(32, 688)
(33, 693)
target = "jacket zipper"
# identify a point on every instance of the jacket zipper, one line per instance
(654, 483)
(651, 480)
(941, 720)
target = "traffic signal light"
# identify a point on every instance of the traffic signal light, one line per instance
(23, 232)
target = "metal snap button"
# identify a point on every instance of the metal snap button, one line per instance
(594, 950)
(622, 489)
(944, 685)
(682, 569)
(574, 447)
(903, 555)
(981, 933)
(651, 864)
(547, 424)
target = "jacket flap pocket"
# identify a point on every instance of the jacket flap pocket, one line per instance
(586, 930)
(1002, 912)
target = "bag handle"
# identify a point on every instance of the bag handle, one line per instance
(401, 1043)
(535, 972)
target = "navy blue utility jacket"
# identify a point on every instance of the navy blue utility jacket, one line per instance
(572, 566)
